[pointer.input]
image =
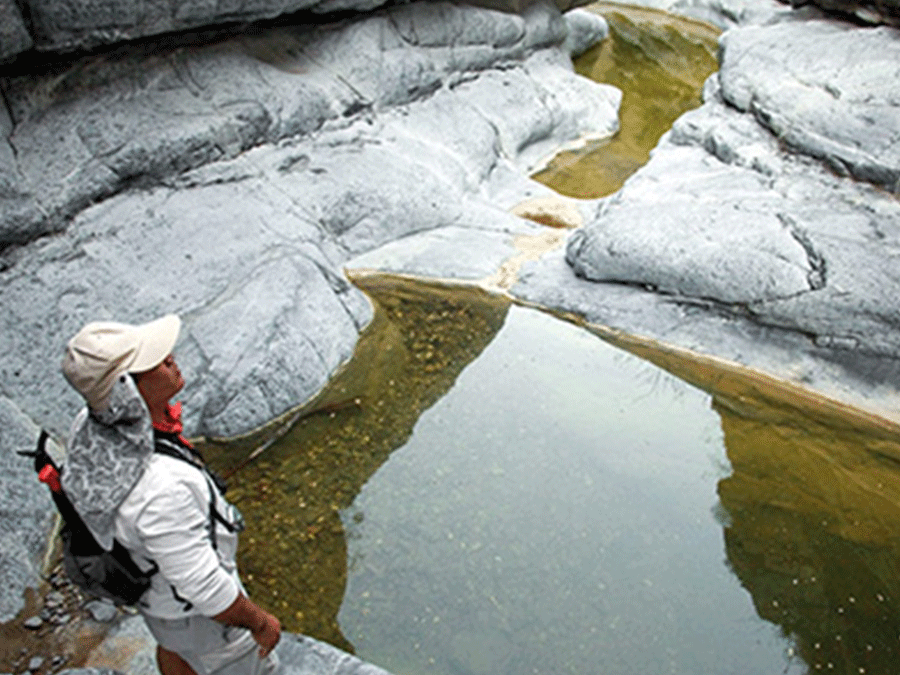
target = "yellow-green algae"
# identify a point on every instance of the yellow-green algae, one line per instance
(660, 62)
(294, 553)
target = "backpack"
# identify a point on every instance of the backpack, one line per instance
(107, 574)
(113, 574)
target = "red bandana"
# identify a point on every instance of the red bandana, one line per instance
(172, 424)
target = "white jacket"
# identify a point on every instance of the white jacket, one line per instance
(166, 518)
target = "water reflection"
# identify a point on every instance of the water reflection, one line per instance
(815, 537)
(811, 514)
(513, 495)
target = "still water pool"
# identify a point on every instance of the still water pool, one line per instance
(506, 493)
(555, 512)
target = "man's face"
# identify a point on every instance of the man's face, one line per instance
(161, 383)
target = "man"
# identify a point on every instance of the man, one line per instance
(163, 505)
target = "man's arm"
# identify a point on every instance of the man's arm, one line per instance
(264, 627)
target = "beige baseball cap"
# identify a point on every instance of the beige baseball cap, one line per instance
(103, 350)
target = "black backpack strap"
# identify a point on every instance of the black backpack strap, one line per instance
(40, 455)
(44, 464)
(215, 516)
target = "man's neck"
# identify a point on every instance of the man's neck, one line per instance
(159, 414)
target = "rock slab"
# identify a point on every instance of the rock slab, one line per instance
(14, 36)
(60, 26)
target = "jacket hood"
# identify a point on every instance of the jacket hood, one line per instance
(107, 454)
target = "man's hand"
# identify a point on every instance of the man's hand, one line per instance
(267, 633)
(265, 628)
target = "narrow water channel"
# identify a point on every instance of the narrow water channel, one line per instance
(660, 63)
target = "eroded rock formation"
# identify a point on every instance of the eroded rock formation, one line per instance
(233, 178)
(61, 26)
(230, 181)
(764, 227)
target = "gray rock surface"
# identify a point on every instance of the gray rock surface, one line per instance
(305, 151)
(303, 655)
(763, 230)
(230, 182)
(130, 650)
(823, 87)
(25, 511)
(723, 214)
(66, 25)
(108, 124)
(875, 12)
(61, 26)
(14, 36)
(585, 29)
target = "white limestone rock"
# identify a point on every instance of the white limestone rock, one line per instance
(142, 114)
(739, 245)
(670, 229)
(131, 649)
(825, 88)
(62, 26)
(302, 655)
(585, 29)
(73, 24)
(233, 182)
(722, 215)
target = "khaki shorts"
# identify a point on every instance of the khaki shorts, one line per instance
(210, 647)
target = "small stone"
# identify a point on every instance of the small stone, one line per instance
(103, 612)
(35, 663)
(33, 623)
(54, 599)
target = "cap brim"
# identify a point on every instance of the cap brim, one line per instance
(156, 339)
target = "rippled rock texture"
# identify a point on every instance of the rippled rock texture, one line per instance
(732, 209)
(64, 25)
(230, 180)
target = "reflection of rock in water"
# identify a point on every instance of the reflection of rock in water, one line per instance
(294, 553)
(814, 535)
(811, 511)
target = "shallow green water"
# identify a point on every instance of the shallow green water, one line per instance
(514, 495)
(660, 63)
(554, 511)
